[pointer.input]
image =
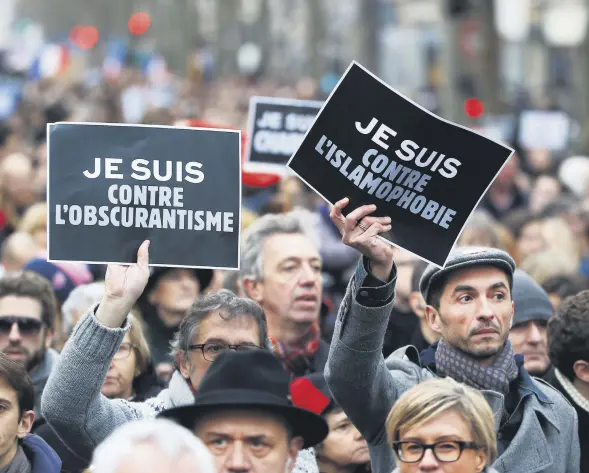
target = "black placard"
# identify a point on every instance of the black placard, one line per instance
(277, 127)
(110, 187)
(373, 145)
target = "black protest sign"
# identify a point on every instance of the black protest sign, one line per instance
(374, 146)
(276, 129)
(110, 187)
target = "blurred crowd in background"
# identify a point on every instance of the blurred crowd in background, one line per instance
(181, 63)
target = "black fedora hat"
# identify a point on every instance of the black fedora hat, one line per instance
(250, 379)
(204, 276)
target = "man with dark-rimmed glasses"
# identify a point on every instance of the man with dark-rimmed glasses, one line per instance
(27, 316)
(72, 403)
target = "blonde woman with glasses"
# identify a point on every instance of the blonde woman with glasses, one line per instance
(441, 426)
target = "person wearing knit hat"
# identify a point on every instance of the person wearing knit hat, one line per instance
(528, 333)
(63, 276)
(469, 304)
(344, 450)
(168, 295)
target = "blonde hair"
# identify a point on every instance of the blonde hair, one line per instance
(34, 218)
(137, 337)
(546, 264)
(559, 237)
(429, 399)
(481, 230)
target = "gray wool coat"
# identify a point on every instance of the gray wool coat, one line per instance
(366, 387)
(82, 417)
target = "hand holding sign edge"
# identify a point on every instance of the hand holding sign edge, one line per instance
(360, 231)
(123, 286)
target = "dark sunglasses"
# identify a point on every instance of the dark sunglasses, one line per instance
(26, 326)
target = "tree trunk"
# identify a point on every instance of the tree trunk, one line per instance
(228, 37)
(316, 37)
(489, 59)
(369, 28)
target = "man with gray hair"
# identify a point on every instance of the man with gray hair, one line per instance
(281, 270)
(73, 405)
(152, 446)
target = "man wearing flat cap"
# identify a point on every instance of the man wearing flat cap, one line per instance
(469, 304)
(245, 415)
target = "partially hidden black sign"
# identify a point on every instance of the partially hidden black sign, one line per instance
(110, 187)
(277, 127)
(371, 144)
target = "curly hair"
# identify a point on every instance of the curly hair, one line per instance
(568, 332)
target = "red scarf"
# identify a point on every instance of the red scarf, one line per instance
(297, 357)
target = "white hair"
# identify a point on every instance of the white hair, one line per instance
(172, 440)
(80, 299)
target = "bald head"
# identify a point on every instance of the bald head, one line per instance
(148, 457)
(17, 177)
(152, 446)
(17, 250)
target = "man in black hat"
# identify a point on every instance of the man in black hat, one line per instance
(245, 415)
(73, 405)
(469, 303)
(164, 303)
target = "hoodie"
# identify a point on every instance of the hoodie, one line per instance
(40, 455)
(40, 376)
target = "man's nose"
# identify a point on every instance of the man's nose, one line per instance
(485, 310)
(308, 275)
(357, 434)
(14, 335)
(237, 461)
(534, 335)
(186, 282)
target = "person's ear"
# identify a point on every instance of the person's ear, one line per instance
(480, 460)
(417, 304)
(184, 364)
(49, 336)
(253, 289)
(432, 316)
(25, 424)
(512, 314)
(581, 369)
(295, 446)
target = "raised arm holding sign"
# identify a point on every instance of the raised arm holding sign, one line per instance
(359, 230)
(123, 286)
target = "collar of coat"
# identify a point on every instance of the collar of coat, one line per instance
(526, 386)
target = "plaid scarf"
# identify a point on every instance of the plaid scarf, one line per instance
(297, 357)
(463, 368)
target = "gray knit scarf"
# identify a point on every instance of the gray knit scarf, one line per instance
(461, 367)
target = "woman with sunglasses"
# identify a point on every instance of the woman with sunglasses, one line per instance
(441, 426)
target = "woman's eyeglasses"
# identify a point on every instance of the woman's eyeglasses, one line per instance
(26, 326)
(445, 451)
(124, 351)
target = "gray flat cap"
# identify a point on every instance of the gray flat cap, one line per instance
(466, 257)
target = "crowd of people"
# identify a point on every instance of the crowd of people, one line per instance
(329, 351)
